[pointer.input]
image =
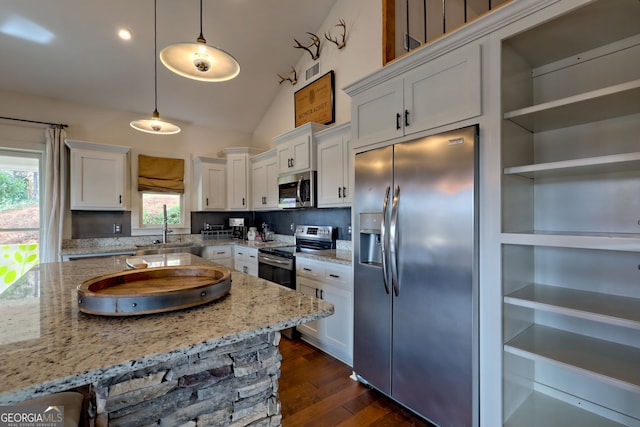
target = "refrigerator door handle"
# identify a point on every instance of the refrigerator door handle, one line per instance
(393, 241)
(383, 241)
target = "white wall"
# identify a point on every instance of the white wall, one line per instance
(361, 56)
(112, 126)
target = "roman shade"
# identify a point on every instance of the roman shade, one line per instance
(160, 174)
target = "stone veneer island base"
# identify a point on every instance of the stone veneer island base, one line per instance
(213, 365)
(232, 385)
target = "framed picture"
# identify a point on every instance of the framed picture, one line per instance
(315, 102)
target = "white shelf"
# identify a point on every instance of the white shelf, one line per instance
(540, 410)
(606, 361)
(602, 241)
(602, 164)
(605, 308)
(613, 101)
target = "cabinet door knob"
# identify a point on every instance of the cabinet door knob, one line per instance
(120, 199)
(207, 202)
(398, 121)
(344, 191)
(339, 192)
(406, 117)
(243, 201)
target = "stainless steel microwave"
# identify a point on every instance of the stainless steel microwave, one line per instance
(297, 190)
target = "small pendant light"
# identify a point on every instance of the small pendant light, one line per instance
(155, 125)
(199, 61)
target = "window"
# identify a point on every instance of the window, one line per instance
(160, 181)
(20, 188)
(153, 212)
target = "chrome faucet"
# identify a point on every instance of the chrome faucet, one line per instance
(165, 227)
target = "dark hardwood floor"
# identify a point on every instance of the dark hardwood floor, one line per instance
(316, 390)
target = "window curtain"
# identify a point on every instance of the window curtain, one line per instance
(160, 175)
(55, 195)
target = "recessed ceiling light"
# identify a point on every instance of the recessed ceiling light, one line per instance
(124, 34)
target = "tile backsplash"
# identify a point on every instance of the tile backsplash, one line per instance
(100, 224)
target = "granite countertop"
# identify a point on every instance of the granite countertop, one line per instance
(47, 345)
(105, 246)
(337, 256)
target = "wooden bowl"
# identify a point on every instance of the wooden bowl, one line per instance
(153, 290)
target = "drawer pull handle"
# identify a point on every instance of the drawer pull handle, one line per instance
(335, 276)
(307, 269)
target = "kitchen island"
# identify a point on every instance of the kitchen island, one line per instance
(214, 364)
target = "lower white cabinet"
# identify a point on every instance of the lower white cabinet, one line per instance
(246, 260)
(222, 254)
(333, 283)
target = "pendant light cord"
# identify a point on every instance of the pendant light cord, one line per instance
(155, 54)
(201, 39)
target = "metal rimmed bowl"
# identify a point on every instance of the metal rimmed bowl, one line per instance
(153, 290)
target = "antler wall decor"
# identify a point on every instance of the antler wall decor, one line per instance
(292, 77)
(315, 42)
(343, 39)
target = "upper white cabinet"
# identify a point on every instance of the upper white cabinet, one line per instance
(570, 231)
(238, 178)
(334, 166)
(441, 91)
(98, 176)
(211, 187)
(296, 149)
(264, 180)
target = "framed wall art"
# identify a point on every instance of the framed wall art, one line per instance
(316, 102)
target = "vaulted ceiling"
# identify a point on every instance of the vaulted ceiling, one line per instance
(70, 50)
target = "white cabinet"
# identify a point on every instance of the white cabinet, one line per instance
(444, 90)
(333, 283)
(222, 254)
(570, 235)
(264, 181)
(211, 183)
(98, 176)
(245, 259)
(334, 166)
(296, 149)
(238, 178)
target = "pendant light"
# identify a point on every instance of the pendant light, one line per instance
(199, 61)
(155, 125)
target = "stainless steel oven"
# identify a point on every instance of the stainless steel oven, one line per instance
(297, 190)
(278, 264)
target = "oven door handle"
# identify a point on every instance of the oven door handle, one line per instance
(272, 260)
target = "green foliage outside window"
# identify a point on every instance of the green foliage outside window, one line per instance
(14, 189)
(173, 216)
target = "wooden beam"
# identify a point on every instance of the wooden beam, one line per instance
(388, 31)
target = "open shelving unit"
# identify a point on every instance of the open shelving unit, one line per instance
(571, 219)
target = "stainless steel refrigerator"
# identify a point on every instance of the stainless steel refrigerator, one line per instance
(415, 273)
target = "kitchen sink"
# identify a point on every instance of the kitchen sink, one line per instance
(170, 248)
